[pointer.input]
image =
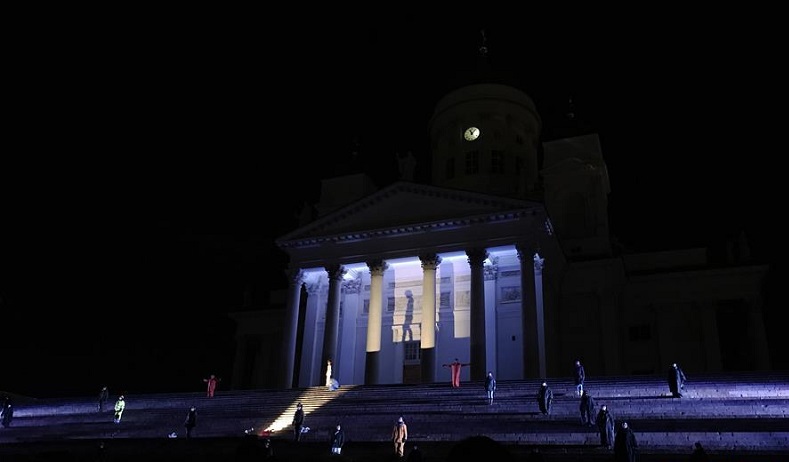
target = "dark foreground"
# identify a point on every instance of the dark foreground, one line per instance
(249, 449)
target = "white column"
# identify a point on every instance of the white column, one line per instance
(428, 327)
(374, 320)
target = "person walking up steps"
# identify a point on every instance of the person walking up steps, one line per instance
(120, 406)
(545, 398)
(399, 436)
(490, 386)
(579, 376)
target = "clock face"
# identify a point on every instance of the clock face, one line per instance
(471, 133)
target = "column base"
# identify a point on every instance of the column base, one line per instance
(428, 363)
(371, 364)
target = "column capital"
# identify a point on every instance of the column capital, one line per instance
(476, 256)
(336, 272)
(526, 250)
(295, 276)
(430, 261)
(377, 267)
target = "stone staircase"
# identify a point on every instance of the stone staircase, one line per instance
(729, 414)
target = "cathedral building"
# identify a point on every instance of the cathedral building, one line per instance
(503, 260)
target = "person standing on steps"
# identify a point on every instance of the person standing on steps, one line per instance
(8, 413)
(605, 424)
(190, 422)
(699, 454)
(490, 386)
(625, 445)
(104, 396)
(337, 440)
(545, 398)
(415, 455)
(587, 409)
(212, 383)
(676, 380)
(298, 422)
(454, 369)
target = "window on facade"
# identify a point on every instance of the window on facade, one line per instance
(497, 162)
(366, 308)
(519, 139)
(413, 351)
(640, 333)
(450, 168)
(518, 165)
(472, 162)
(390, 304)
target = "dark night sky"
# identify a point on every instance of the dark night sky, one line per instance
(155, 163)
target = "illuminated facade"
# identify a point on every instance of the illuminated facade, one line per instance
(504, 261)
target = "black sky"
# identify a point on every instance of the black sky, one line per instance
(153, 163)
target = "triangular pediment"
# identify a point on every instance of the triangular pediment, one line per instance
(405, 204)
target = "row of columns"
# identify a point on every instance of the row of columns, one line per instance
(533, 319)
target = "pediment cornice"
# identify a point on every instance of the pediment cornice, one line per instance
(430, 209)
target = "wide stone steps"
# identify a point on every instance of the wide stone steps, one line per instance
(746, 412)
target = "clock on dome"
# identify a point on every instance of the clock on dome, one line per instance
(471, 133)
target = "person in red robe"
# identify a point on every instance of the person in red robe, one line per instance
(454, 369)
(212, 382)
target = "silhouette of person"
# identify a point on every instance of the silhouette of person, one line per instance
(605, 424)
(490, 386)
(190, 422)
(454, 369)
(268, 450)
(545, 398)
(579, 376)
(212, 383)
(337, 440)
(104, 395)
(676, 380)
(587, 409)
(298, 422)
(8, 413)
(415, 455)
(625, 446)
(699, 454)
